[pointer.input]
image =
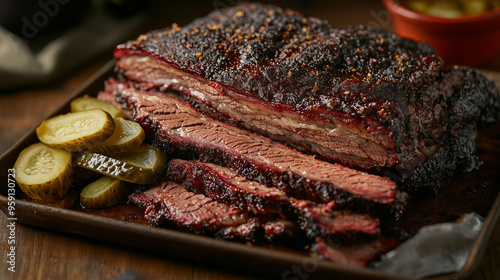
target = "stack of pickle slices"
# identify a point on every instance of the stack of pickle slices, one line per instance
(94, 136)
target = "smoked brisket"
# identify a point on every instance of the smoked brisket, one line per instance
(185, 133)
(360, 96)
(223, 185)
(279, 126)
(169, 202)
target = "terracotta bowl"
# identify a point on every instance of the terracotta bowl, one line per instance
(468, 40)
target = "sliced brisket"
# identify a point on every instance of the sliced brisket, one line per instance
(180, 128)
(199, 214)
(363, 97)
(191, 211)
(224, 185)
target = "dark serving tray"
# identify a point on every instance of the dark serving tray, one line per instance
(477, 191)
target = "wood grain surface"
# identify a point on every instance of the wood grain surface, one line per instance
(43, 254)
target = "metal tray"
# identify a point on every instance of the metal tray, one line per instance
(477, 191)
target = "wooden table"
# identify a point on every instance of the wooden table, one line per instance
(43, 254)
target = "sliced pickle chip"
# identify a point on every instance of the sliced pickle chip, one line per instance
(76, 131)
(88, 103)
(143, 165)
(102, 193)
(128, 135)
(43, 172)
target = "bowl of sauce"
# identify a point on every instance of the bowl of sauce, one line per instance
(465, 32)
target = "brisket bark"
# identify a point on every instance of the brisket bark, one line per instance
(199, 214)
(224, 185)
(363, 97)
(185, 132)
(276, 231)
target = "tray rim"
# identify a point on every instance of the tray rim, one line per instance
(237, 249)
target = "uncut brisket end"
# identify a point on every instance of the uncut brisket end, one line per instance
(362, 97)
(181, 129)
(224, 185)
(199, 214)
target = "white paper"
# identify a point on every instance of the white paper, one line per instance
(435, 249)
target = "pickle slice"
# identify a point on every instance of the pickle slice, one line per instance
(43, 172)
(144, 165)
(102, 193)
(76, 131)
(88, 103)
(128, 135)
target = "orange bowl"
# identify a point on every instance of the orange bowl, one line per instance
(468, 40)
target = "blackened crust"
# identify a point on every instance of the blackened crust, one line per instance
(283, 57)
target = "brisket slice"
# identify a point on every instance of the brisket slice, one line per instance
(182, 130)
(194, 212)
(363, 97)
(356, 254)
(199, 214)
(224, 185)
